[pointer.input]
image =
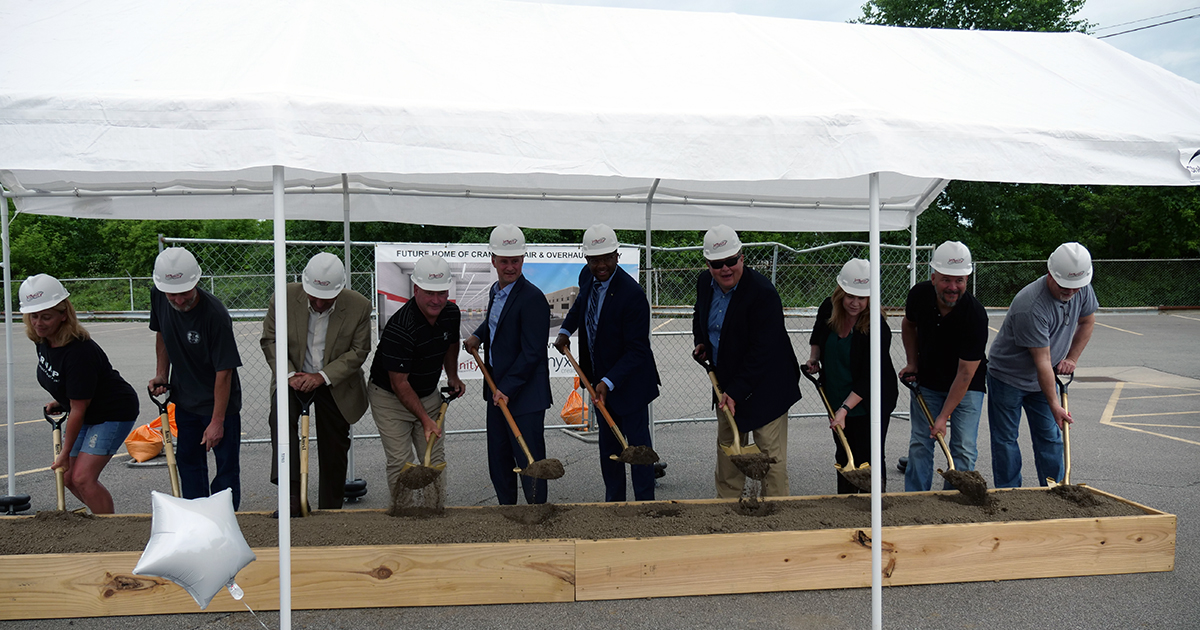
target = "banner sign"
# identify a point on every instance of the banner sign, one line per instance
(552, 268)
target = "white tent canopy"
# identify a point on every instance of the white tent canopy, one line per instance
(475, 112)
(446, 109)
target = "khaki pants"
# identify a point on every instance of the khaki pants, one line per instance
(772, 440)
(401, 432)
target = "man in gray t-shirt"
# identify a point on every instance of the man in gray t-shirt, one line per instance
(1047, 327)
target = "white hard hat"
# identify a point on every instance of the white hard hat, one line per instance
(324, 276)
(855, 277)
(721, 242)
(1071, 266)
(599, 240)
(176, 270)
(507, 240)
(432, 273)
(41, 292)
(952, 258)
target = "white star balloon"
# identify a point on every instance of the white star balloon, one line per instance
(197, 544)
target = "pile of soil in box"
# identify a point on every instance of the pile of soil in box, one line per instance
(67, 532)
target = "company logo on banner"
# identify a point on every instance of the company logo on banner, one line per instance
(1190, 158)
(552, 268)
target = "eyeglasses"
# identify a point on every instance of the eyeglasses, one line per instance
(728, 262)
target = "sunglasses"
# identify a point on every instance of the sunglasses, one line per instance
(728, 262)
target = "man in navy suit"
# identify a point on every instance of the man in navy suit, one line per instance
(738, 323)
(615, 355)
(514, 335)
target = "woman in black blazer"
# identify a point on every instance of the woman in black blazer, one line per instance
(840, 347)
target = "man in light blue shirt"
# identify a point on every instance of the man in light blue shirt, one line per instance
(1047, 327)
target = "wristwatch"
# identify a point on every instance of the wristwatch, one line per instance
(846, 408)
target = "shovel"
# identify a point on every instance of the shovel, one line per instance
(860, 476)
(168, 445)
(541, 469)
(639, 455)
(1066, 431)
(415, 476)
(968, 482)
(748, 459)
(56, 421)
(305, 406)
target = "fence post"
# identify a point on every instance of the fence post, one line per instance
(160, 242)
(130, 291)
(774, 262)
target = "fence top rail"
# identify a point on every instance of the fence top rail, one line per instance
(642, 246)
(1094, 260)
(807, 250)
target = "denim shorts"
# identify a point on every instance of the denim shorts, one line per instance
(101, 439)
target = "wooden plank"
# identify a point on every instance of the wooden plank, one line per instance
(720, 563)
(840, 558)
(102, 584)
(935, 554)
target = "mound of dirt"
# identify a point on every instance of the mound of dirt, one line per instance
(67, 532)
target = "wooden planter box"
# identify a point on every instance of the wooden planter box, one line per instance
(101, 584)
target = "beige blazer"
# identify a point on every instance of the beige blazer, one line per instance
(347, 344)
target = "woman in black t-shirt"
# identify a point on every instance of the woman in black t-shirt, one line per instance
(77, 374)
(840, 346)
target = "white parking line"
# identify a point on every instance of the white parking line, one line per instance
(1120, 329)
(1165, 413)
(47, 468)
(1186, 317)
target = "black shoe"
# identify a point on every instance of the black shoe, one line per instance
(902, 465)
(660, 470)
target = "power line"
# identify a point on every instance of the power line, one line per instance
(1142, 28)
(1153, 17)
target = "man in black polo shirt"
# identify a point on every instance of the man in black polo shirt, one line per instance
(416, 344)
(945, 336)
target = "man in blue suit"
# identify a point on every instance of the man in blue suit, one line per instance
(615, 355)
(514, 335)
(738, 323)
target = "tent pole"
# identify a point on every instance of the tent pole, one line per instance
(284, 504)
(8, 351)
(876, 395)
(649, 285)
(912, 251)
(349, 285)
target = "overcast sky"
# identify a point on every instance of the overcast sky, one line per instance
(1175, 47)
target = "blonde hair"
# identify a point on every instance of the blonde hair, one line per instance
(70, 330)
(863, 325)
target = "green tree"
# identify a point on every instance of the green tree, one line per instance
(989, 15)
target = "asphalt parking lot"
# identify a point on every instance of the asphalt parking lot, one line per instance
(1137, 407)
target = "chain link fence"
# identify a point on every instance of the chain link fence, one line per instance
(238, 272)
(1119, 283)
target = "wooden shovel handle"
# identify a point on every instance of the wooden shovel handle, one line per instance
(599, 405)
(929, 417)
(304, 420)
(512, 424)
(169, 450)
(837, 430)
(1062, 394)
(429, 443)
(737, 436)
(59, 482)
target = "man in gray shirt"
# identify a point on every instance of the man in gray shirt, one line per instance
(1047, 327)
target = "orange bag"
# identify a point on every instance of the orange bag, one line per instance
(145, 442)
(572, 411)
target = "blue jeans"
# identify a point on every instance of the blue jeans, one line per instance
(103, 439)
(962, 430)
(1004, 417)
(192, 459)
